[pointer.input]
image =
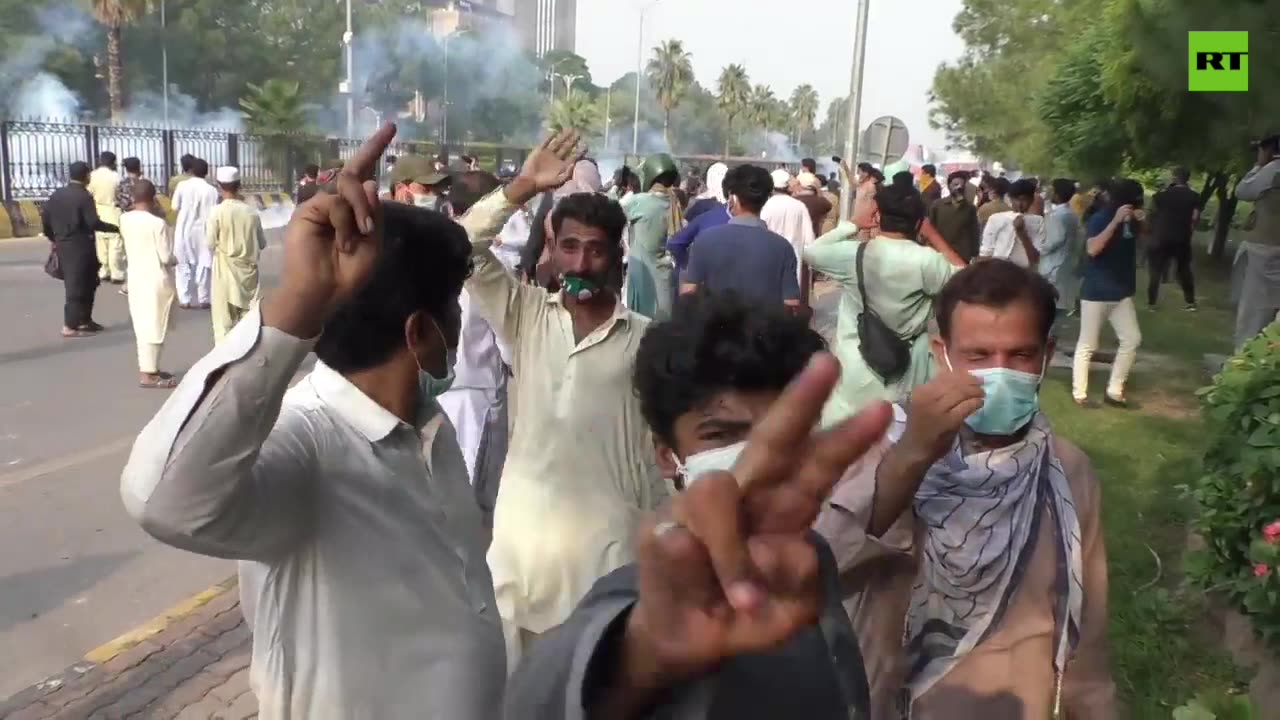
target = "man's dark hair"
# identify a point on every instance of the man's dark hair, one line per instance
(132, 165)
(903, 179)
(424, 260)
(593, 210)
(901, 209)
(1126, 191)
(997, 283)
(1181, 175)
(308, 191)
(810, 165)
(959, 175)
(1063, 190)
(143, 190)
(312, 170)
(752, 184)
(469, 187)
(1000, 186)
(1022, 189)
(106, 159)
(78, 171)
(717, 341)
(200, 168)
(187, 162)
(865, 167)
(930, 170)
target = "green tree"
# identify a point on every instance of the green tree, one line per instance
(670, 73)
(734, 94)
(114, 16)
(275, 112)
(804, 110)
(562, 63)
(574, 111)
(762, 107)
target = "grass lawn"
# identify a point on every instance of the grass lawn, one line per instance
(1162, 651)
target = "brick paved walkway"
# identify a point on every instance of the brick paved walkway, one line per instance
(195, 669)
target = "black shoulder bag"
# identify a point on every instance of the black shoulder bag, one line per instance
(884, 351)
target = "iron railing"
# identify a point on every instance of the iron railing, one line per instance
(35, 154)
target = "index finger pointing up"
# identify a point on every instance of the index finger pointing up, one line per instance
(774, 443)
(369, 154)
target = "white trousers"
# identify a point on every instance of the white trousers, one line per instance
(187, 274)
(1123, 317)
(149, 358)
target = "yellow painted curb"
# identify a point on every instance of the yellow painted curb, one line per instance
(104, 653)
(6, 224)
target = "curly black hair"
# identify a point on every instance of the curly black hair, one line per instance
(997, 283)
(717, 341)
(424, 260)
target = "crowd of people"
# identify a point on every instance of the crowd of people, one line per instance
(573, 450)
(105, 226)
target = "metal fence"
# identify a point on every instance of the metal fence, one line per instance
(35, 154)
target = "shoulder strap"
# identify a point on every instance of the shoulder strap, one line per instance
(862, 285)
(841, 639)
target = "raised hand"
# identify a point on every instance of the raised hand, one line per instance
(730, 568)
(550, 165)
(937, 411)
(330, 245)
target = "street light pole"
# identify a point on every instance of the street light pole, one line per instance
(444, 129)
(348, 39)
(854, 125)
(164, 59)
(635, 130)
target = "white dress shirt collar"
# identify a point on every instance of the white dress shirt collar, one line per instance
(359, 410)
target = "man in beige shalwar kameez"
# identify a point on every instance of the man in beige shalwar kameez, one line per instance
(148, 240)
(236, 238)
(104, 182)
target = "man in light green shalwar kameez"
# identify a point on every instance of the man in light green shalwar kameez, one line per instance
(902, 279)
(654, 214)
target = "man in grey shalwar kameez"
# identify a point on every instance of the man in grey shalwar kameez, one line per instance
(1259, 301)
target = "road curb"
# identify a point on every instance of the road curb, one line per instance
(107, 651)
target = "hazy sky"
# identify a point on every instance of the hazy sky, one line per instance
(790, 42)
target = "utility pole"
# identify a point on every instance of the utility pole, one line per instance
(854, 126)
(348, 39)
(164, 59)
(635, 130)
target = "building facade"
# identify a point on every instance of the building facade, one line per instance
(546, 25)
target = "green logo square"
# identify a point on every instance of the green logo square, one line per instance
(1217, 61)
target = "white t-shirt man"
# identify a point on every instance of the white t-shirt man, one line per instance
(1000, 240)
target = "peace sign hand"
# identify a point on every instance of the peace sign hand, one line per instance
(331, 245)
(730, 570)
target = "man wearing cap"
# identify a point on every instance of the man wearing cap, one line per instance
(235, 237)
(789, 218)
(1260, 292)
(415, 181)
(807, 189)
(653, 214)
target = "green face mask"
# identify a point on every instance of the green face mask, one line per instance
(581, 288)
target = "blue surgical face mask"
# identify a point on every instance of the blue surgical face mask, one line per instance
(707, 461)
(1011, 400)
(431, 387)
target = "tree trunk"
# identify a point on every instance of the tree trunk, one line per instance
(666, 127)
(1227, 202)
(728, 136)
(115, 71)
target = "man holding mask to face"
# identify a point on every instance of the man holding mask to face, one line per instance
(977, 529)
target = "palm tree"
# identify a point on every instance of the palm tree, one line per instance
(115, 14)
(575, 111)
(671, 72)
(732, 96)
(762, 107)
(804, 109)
(275, 112)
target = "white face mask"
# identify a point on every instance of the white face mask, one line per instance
(425, 201)
(707, 461)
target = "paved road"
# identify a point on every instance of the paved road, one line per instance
(75, 571)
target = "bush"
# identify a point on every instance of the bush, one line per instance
(1238, 497)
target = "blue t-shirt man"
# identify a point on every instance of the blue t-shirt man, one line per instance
(744, 256)
(1111, 275)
